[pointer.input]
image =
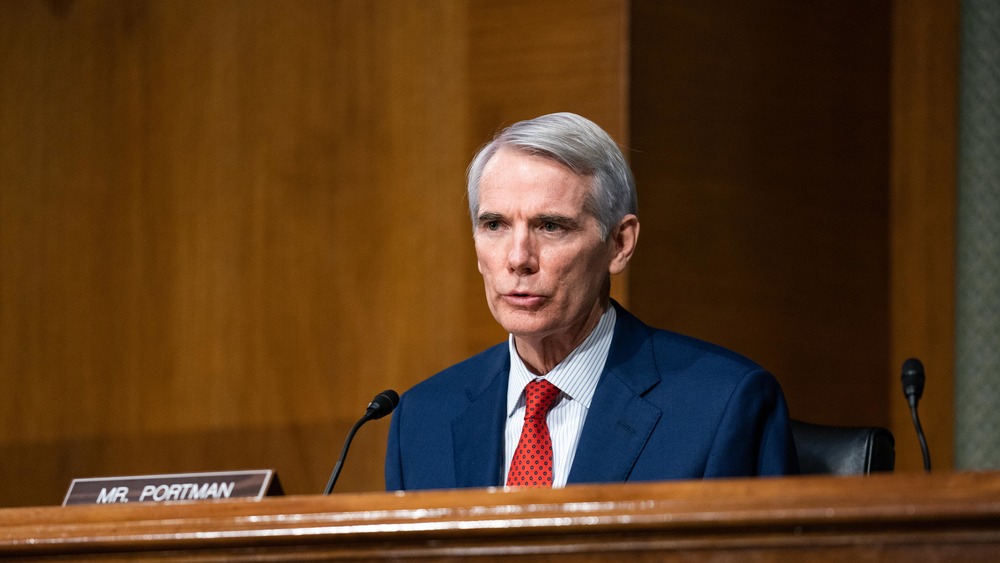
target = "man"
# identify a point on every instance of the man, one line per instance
(582, 391)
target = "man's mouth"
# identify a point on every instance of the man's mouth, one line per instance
(527, 300)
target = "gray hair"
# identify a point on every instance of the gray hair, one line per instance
(578, 144)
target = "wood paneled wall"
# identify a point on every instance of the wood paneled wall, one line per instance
(925, 55)
(798, 158)
(763, 150)
(225, 225)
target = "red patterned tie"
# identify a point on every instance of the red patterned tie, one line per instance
(532, 462)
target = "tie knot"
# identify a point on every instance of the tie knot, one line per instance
(539, 396)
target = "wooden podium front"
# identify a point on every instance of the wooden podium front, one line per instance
(946, 517)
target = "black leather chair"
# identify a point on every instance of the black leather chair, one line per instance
(843, 450)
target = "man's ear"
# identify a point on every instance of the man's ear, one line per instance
(624, 237)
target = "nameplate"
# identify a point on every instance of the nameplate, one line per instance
(176, 487)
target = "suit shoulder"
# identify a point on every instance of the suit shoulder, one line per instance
(672, 351)
(700, 367)
(681, 349)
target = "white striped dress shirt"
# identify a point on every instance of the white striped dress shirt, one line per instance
(576, 377)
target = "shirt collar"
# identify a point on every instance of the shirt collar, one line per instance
(576, 376)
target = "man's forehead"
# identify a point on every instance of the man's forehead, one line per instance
(509, 199)
(529, 177)
(511, 155)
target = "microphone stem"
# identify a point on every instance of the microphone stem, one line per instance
(920, 436)
(343, 454)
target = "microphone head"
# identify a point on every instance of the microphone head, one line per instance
(913, 379)
(383, 404)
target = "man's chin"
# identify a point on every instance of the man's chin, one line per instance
(525, 326)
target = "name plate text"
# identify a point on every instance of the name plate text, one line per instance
(175, 487)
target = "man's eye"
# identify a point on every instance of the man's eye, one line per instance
(551, 227)
(492, 225)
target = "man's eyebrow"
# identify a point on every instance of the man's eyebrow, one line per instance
(488, 216)
(568, 222)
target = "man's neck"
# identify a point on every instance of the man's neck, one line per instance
(540, 355)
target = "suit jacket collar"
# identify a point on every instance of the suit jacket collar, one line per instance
(477, 433)
(620, 420)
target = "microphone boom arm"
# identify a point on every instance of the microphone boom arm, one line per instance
(343, 454)
(913, 387)
(383, 404)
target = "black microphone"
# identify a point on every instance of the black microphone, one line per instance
(913, 387)
(381, 405)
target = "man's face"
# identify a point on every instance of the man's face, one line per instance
(543, 262)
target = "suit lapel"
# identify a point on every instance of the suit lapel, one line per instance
(477, 433)
(620, 420)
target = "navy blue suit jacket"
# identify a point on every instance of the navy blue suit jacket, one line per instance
(666, 407)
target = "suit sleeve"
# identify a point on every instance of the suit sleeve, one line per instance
(754, 435)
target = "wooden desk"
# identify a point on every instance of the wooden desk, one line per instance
(946, 517)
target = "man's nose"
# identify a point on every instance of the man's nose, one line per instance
(523, 257)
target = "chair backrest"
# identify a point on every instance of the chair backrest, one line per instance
(843, 450)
